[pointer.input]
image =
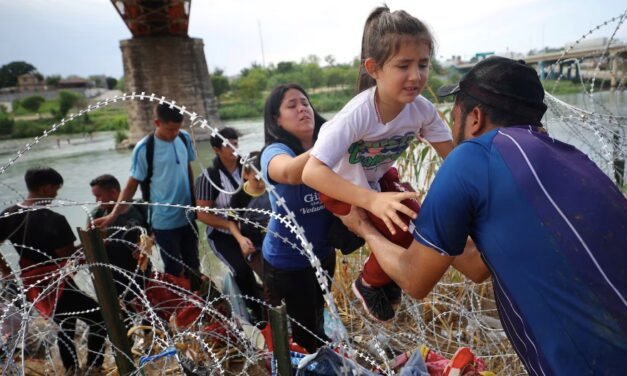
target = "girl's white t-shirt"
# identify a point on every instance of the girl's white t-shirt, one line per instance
(359, 148)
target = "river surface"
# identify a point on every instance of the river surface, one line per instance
(82, 159)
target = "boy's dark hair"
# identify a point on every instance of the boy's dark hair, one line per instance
(382, 38)
(255, 161)
(227, 133)
(39, 176)
(165, 114)
(106, 181)
(275, 133)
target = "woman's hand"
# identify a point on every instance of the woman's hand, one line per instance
(387, 205)
(245, 245)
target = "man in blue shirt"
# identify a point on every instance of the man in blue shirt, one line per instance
(550, 227)
(169, 183)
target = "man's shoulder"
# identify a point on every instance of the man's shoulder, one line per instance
(10, 209)
(98, 212)
(136, 215)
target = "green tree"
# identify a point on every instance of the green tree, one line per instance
(67, 100)
(334, 76)
(285, 66)
(313, 75)
(53, 80)
(32, 103)
(120, 85)
(219, 82)
(6, 124)
(111, 82)
(250, 87)
(9, 72)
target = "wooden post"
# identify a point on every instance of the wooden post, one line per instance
(280, 343)
(107, 299)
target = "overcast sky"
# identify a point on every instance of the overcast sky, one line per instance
(82, 36)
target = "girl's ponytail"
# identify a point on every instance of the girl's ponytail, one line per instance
(364, 81)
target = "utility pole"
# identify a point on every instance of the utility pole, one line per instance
(263, 56)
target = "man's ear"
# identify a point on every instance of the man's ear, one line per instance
(156, 122)
(477, 122)
(371, 67)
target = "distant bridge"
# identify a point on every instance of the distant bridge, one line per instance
(545, 63)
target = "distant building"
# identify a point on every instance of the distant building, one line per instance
(30, 82)
(75, 83)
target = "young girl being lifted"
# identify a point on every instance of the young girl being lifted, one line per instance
(357, 148)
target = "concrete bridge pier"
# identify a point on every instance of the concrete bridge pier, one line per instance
(541, 69)
(569, 72)
(613, 71)
(173, 67)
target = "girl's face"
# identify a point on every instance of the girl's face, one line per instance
(403, 76)
(296, 115)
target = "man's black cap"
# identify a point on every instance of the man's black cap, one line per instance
(505, 84)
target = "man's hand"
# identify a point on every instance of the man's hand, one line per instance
(104, 222)
(357, 221)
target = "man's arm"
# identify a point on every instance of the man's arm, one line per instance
(125, 196)
(470, 263)
(416, 270)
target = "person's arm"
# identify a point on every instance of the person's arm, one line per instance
(443, 148)
(416, 270)
(384, 205)
(285, 169)
(403, 265)
(125, 196)
(470, 263)
(216, 221)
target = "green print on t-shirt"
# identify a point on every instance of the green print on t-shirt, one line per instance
(373, 153)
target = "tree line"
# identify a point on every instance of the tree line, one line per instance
(330, 84)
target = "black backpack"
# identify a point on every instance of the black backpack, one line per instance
(150, 153)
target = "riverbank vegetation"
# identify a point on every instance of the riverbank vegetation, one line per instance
(31, 116)
(330, 84)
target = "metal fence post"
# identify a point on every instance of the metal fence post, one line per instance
(107, 299)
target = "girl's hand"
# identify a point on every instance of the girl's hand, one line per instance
(387, 205)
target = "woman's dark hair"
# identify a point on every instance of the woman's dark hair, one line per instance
(37, 177)
(273, 132)
(382, 38)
